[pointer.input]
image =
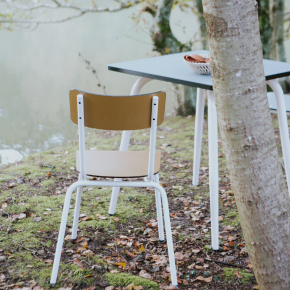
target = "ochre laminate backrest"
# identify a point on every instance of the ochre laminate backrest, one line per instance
(117, 112)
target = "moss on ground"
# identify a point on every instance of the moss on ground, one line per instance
(124, 279)
(230, 275)
(232, 219)
(36, 186)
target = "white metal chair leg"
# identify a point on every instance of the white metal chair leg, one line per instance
(61, 235)
(169, 236)
(77, 211)
(283, 126)
(213, 169)
(199, 116)
(159, 210)
(125, 144)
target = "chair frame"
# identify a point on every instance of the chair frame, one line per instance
(153, 182)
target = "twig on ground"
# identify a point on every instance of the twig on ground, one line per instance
(225, 263)
(4, 212)
(46, 237)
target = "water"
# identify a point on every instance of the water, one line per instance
(38, 68)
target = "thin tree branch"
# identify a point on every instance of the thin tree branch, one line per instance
(67, 6)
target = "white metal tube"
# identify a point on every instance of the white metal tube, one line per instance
(80, 100)
(125, 141)
(169, 236)
(119, 184)
(159, 210)
(213, 169)
(283, 126)
(198, 131)
(61, 235)
(77, 211)
(153, 131)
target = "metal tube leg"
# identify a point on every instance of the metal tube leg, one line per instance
(61, 235)
(213, 170)
(125, 144)
(283, 126)
(198, 130)
(169, 236)
(77, 211)
(159, 210)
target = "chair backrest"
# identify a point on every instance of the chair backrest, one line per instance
(117, 112)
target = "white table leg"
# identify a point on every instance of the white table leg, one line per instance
(125, 144)
(283, 126)
(213, 169)
(198, 131)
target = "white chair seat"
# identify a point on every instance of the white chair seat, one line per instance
(272, 102)
(118, 163)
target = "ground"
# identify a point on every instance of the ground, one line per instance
(117, 250)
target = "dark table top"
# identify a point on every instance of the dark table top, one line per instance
(172, 68)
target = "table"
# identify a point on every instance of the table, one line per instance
(171, 68)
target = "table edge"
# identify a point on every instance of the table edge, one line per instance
(160, 78)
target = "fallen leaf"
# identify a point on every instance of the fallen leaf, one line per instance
(208, 280)
(48, 261)
(115, 271)
(179, 256)
(142, 249)
(86, 218)
(68, 237)
(160, 260)
(78, 263)
(256, 287)
(132, 255)
(88, 253)
(110, 288)
(2, 278)
(220, 218)
(249, 266)
(130, 287)
(122, 264)
(196, 251)
(116, 219)
(19, 216)
(102, 217)
(37, 288)
(200, 278)
(145, 275)
(238, 275)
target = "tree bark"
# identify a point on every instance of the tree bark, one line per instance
(165, 43)
(277, 24)
(202, 24)
(248, 137)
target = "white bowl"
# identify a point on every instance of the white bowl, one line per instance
(200, 68)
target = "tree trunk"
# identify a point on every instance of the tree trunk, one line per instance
(248, 137)
(202, 24)
(277, 24)
(265, 26)
(165, 42)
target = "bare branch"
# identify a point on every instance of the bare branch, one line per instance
(82, 11)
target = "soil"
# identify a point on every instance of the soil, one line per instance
(108, 247)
